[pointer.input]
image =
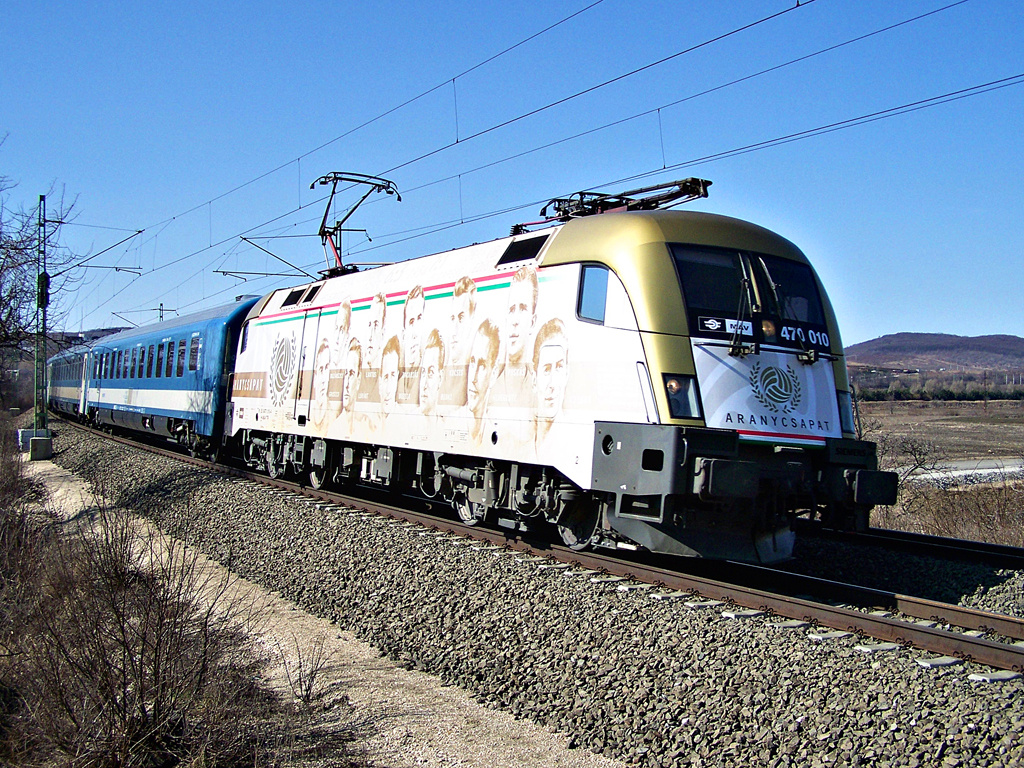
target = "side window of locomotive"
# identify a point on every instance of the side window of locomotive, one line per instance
(181, 358)
(193, 354)
(169, 370)
(149, 364)
(311, 293)
(593, 293)
(245, 338)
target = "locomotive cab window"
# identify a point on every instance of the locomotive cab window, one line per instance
(763, 298)
(245, 338)
(593, 292)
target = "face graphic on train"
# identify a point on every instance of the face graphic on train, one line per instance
(413, 327)
(389, 375)
(552, 376)
(462, 327)
(431, 366)
(482, 357)
(352, 363)
(522, 313)
(375, 337)
(321, 380)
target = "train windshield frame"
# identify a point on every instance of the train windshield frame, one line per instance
(768, 299)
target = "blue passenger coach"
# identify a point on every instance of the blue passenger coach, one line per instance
(66, 374)
(167, 379)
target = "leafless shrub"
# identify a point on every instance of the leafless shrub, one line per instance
(305, 672)
(128, 653)
(906, 455)
(992, 512)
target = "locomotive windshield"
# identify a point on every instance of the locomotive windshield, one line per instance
(765, 299)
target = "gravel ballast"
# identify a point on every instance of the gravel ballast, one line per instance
(649, 682)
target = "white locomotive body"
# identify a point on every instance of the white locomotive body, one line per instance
(670, 380)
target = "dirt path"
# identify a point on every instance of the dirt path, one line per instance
(411, 718)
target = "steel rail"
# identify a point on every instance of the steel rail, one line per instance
(986, 553)
(909, 634)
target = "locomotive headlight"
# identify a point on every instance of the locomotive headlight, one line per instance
(682, 396)
(846, 420)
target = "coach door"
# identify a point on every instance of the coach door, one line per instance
(304, 381)
(83, 389)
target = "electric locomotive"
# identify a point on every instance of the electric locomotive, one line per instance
(633, 377)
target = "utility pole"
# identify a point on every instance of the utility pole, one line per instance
(42, 300)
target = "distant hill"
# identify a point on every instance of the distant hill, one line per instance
(938, 351)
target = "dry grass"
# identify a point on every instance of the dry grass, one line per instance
(916, 436)
(964, 430)
(119, 648)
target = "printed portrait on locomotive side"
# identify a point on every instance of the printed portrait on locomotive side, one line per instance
(488, 362)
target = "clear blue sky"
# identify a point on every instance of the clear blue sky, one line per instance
(146, 112)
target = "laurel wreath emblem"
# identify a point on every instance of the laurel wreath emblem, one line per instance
(776, 389)
(282, 367)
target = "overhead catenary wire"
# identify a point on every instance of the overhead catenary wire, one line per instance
(389, 111)
(485, 131)
(447, 225)
(870, 117)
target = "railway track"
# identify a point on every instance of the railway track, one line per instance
(763, 590)
(993, 555)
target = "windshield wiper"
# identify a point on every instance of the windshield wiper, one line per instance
(807, 355)
(736, 346)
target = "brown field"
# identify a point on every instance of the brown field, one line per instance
(922, 436)
(960, 429)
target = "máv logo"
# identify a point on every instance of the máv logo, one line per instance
(776, 389)
(282, 366)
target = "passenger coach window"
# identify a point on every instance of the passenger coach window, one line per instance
(169, 370)
(142, 362)
(149, 364)
(135, 360)
(593, 292)
(193, 354)
(117, 365)
(159, 361)
(181, 357)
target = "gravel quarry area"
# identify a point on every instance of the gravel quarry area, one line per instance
(642, 681)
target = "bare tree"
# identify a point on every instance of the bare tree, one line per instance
(20, 240)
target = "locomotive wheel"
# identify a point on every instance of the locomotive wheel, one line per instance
(467, 510)
(578, 524)
(317, 477)
(273, 470)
